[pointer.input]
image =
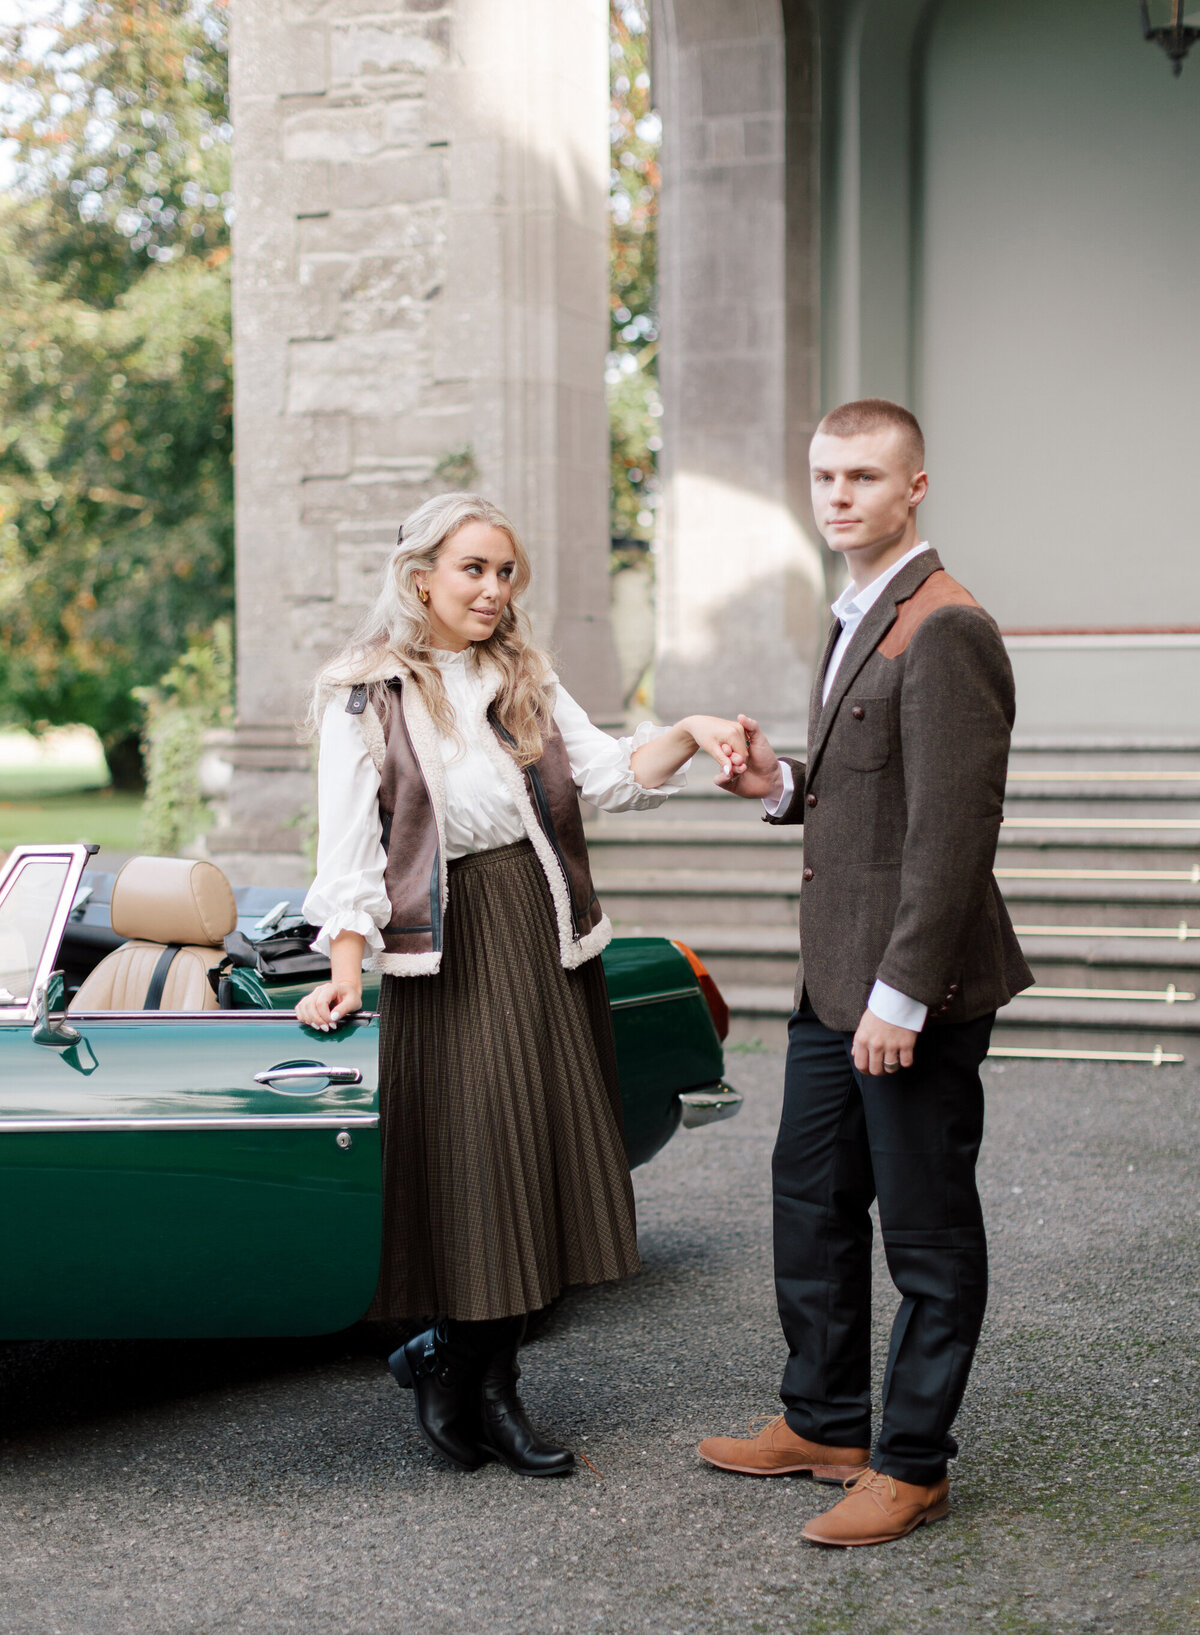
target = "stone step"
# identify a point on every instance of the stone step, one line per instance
(1019, 848)
(1122, 854)
(756, 956)
(1175, 803)
(654, 901)
(660, 898)
(1113, 962)
(760, 1014)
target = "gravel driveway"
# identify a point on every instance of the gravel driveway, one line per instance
(282, 1488)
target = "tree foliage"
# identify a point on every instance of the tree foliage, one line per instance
(632, 375)
(116, 535)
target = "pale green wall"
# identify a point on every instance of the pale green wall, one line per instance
(1057, 345)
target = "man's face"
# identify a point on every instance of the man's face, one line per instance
(864, 488)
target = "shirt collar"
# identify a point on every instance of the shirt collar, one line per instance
(853, 603)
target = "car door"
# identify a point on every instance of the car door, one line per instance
(166, 1174)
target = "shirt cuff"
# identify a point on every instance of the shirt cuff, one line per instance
(348, 920)
(773, 807)
(897, 1008)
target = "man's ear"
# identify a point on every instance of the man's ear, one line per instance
(918, 489)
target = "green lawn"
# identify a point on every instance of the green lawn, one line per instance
(107, 817)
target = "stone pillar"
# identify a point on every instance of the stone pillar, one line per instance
(741, 580)
(420, 258)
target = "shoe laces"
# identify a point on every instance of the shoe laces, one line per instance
(869, 1479)
(763, 1422)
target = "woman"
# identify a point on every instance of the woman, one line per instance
(452, 857)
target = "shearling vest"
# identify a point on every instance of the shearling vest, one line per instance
(415, 876)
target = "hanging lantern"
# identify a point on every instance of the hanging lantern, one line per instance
(1175, 37)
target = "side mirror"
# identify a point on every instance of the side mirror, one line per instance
(48, 998)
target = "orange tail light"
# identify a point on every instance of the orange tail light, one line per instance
(717, 1008)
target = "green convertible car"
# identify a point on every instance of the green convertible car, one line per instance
(214, 1170)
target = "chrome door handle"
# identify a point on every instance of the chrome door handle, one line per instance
(306, 1073)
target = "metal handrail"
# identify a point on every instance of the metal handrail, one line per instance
(1170, 995)
(1190, 877)
(1158, 1057)
(1180, 933)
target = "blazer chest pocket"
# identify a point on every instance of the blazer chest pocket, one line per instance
(863, 737)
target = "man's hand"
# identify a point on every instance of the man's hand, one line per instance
(762, 778)
(877, 1044)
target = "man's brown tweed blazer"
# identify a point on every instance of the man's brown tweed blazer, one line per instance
(901, 801)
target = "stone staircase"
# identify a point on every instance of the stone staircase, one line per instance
(1099, 861)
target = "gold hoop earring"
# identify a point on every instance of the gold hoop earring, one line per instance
(422, 593)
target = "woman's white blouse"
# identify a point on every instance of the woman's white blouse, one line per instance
(348, 892)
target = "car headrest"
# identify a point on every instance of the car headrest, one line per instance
(169, 899)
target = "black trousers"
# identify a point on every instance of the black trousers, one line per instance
(910, 1139)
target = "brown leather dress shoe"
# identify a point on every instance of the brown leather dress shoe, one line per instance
(878, 1509)
(777, 1451)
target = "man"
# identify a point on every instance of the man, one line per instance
(906, 954)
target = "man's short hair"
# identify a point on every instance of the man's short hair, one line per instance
(871, 414)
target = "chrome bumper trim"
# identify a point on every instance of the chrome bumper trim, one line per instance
(709, 1106)
(251, 1121)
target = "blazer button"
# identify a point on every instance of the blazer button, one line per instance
(858, 712)
(953, 988)
(810, 800)
(807, 875)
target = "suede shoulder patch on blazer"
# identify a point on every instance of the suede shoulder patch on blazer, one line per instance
(939, 590)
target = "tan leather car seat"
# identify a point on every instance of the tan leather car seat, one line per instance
(158, 902)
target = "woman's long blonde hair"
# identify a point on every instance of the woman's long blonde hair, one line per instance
(397, 626)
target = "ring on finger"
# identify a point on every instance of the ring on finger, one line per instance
(891, 1067)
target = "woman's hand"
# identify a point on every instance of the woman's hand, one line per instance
(330, 1004)
(656, 761)
(724, 740)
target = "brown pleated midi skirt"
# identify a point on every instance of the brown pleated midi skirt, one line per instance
(504, 1170)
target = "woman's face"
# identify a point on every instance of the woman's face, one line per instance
(469, 585)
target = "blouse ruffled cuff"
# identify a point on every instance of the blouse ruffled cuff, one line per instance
(646, 734)
(349, 919)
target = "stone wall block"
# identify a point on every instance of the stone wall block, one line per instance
(430, 435)
(409, 178)
(764, 137)
(467, 343)
(391, 234)
(359, 569)
(404, 122)
(291, 59)
(412, 268)
(581, 270)
(474, 257)
(727, 142)
(338, 11)
(369, 374)
(380, 48)
(475, 177)
(365, 496)
(740, 78)
(706, 20)
(347, 132)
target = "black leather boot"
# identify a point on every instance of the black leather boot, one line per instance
(507, 1433)
(446, 1390)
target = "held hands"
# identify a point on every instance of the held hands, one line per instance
(329, 1004)
(724, 740)
(879, 1044)
(760, 776)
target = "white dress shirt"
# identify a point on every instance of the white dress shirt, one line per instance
(348, 893)
(888, 1004)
